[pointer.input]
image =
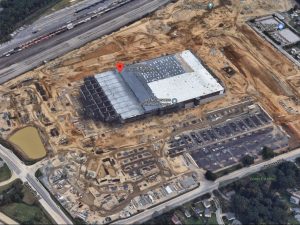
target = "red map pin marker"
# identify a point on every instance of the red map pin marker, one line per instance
(120, 66)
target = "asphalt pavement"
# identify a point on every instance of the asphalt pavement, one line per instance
(51, 22)
(30, 58)
(206, 187)
(27, 174)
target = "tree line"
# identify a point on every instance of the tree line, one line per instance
(258, 198)
(14, 12)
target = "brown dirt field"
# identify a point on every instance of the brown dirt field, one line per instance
(266, 50)
(247, 64)
(220, 38)
(93, 165)
(111, 171)
(263, 73)
(102, 50)
(296, 128)
(28, 197)
(88, 199)
(101, 172)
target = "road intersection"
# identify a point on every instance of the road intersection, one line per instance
(206, 187)
(27, 174)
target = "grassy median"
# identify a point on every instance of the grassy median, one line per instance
(5, 173)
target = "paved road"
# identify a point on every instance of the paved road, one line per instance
(28, 59)
(11, 179)
(218, 212)
(27, 174)
(207, 187)
(51, 22)
(7, 220)
(58, 39)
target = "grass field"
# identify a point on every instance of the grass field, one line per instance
(6, 186)
(228, 170)
(29, 142)
(24, 210)
(5, 173)
(202, 220)
(25, 214)
(28, 198)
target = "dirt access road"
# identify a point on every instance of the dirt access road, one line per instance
(219, 37)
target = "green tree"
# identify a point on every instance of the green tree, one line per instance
(257, 201)
(210, 175)
(267, 153)
(79, 221)
(247, 160)
(15, 12)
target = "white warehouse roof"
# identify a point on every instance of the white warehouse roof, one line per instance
(193, 84)
(141, 87)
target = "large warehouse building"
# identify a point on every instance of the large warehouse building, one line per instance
(151, 87)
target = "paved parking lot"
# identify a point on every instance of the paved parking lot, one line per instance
(228, 152)
(225, 143)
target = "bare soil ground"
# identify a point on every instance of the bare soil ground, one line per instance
(219, 37)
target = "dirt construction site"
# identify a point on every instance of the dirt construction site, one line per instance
(47, 96)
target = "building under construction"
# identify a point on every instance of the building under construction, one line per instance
(151, 87)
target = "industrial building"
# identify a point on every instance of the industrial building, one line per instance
(152, 87)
